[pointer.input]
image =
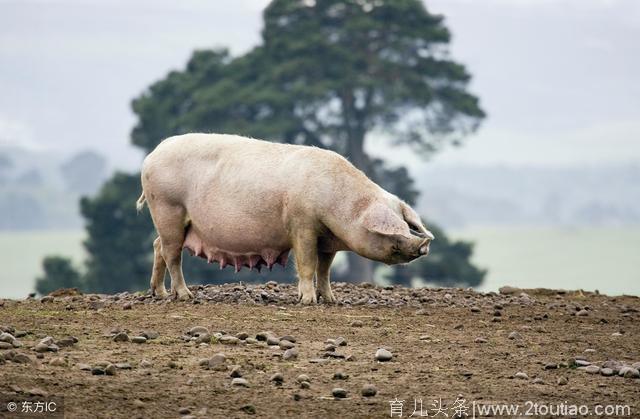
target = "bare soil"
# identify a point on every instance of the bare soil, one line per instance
(446, 344)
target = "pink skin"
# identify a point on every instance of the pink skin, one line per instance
(248, 203)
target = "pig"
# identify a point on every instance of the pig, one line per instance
(247, 203)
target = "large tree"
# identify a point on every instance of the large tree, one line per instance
(328, 73)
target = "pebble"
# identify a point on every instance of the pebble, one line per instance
(339, 393)
(229, 340)
(340, 341)
(631, 373)
(278, 378)
(636, 365)
(383, 355)
(138, 339)
(217, 362)
(521, 376)
(236, 371)
(121, 337)
(58, 362)
(514, 336)
(247, 408)
(203, 338)
(582, 363)
(239, 382)
(83, 367)
(607, 372)
(305, 384)
(110, 369)
(145, 363)
(285, 344)
(184, 411)
(369, 390)
(340, 375)
(273, 341)
(242, 335)
(357, 323)
(139, 404)
(582, 313)
(303, 377)
(290, 354)
(562, 381)
(551, 366)
(127, 306)
(592, 369)
(198, 330)
(150, 334)
(289, 338)
(5, 345)
(480, 340)
(123, 366)
(538, 380)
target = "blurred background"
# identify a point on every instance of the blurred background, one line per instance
(513, 127)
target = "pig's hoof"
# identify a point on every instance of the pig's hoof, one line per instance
(307, 299)
(160, 293)
(183, 294)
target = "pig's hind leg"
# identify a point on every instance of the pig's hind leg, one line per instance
(322, 277)
(306, 252)
(159, 270)
(170, 224)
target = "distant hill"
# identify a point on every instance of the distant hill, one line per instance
(456, 196)
(40, 190)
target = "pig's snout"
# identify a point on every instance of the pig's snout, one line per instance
(424, 246)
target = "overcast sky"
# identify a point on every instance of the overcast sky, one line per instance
(560, 79)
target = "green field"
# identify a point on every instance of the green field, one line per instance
(585, 258)
(21, 255)
(604, 259)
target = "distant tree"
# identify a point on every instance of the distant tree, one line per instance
(58, 273)
(328, 73)
(84, 172)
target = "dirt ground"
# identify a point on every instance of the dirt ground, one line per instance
(447, 345)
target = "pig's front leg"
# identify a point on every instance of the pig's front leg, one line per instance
(322, 276)
(305, 247)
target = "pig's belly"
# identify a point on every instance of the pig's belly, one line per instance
(229, 244)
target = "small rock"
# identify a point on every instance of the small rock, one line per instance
(110, 369)
(239, 382)
(582, 363)
(277, 378)
(121, 337)
(290, 354)
(184, 411)
(340, 341)
(475, 310)
(582, 313)
(203, 338)
(592, 369)
(127, 306)
(538, 380)
(514, 336)
(236, 371)
(262, 336)
(198, 330)
(47, 299)
(305, 384)
(607, 372)
(340, 375)
(369, 390)
(562, 381)
(123, 366)
(303, 377)
(289, 338)
(229, 340)
(139, 404)
(339, 393)
(636, 365)
(480, 340)
(630, 373)
(173, 364)
(242, 335)
(521, 376)
(357, 323)
(41, 347)
(551, 366)
(66, 342)
(58, 361)
(5, 345)
(145, 364)
(138, 339)
(84, 367)
(383, 355)
(273, 341)
(285, 344)
(97, 371)
(217, 362)
(150, 334)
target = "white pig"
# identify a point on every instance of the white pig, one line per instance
(245, 202)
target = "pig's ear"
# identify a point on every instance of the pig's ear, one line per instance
(411, 217)
(380, 219)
